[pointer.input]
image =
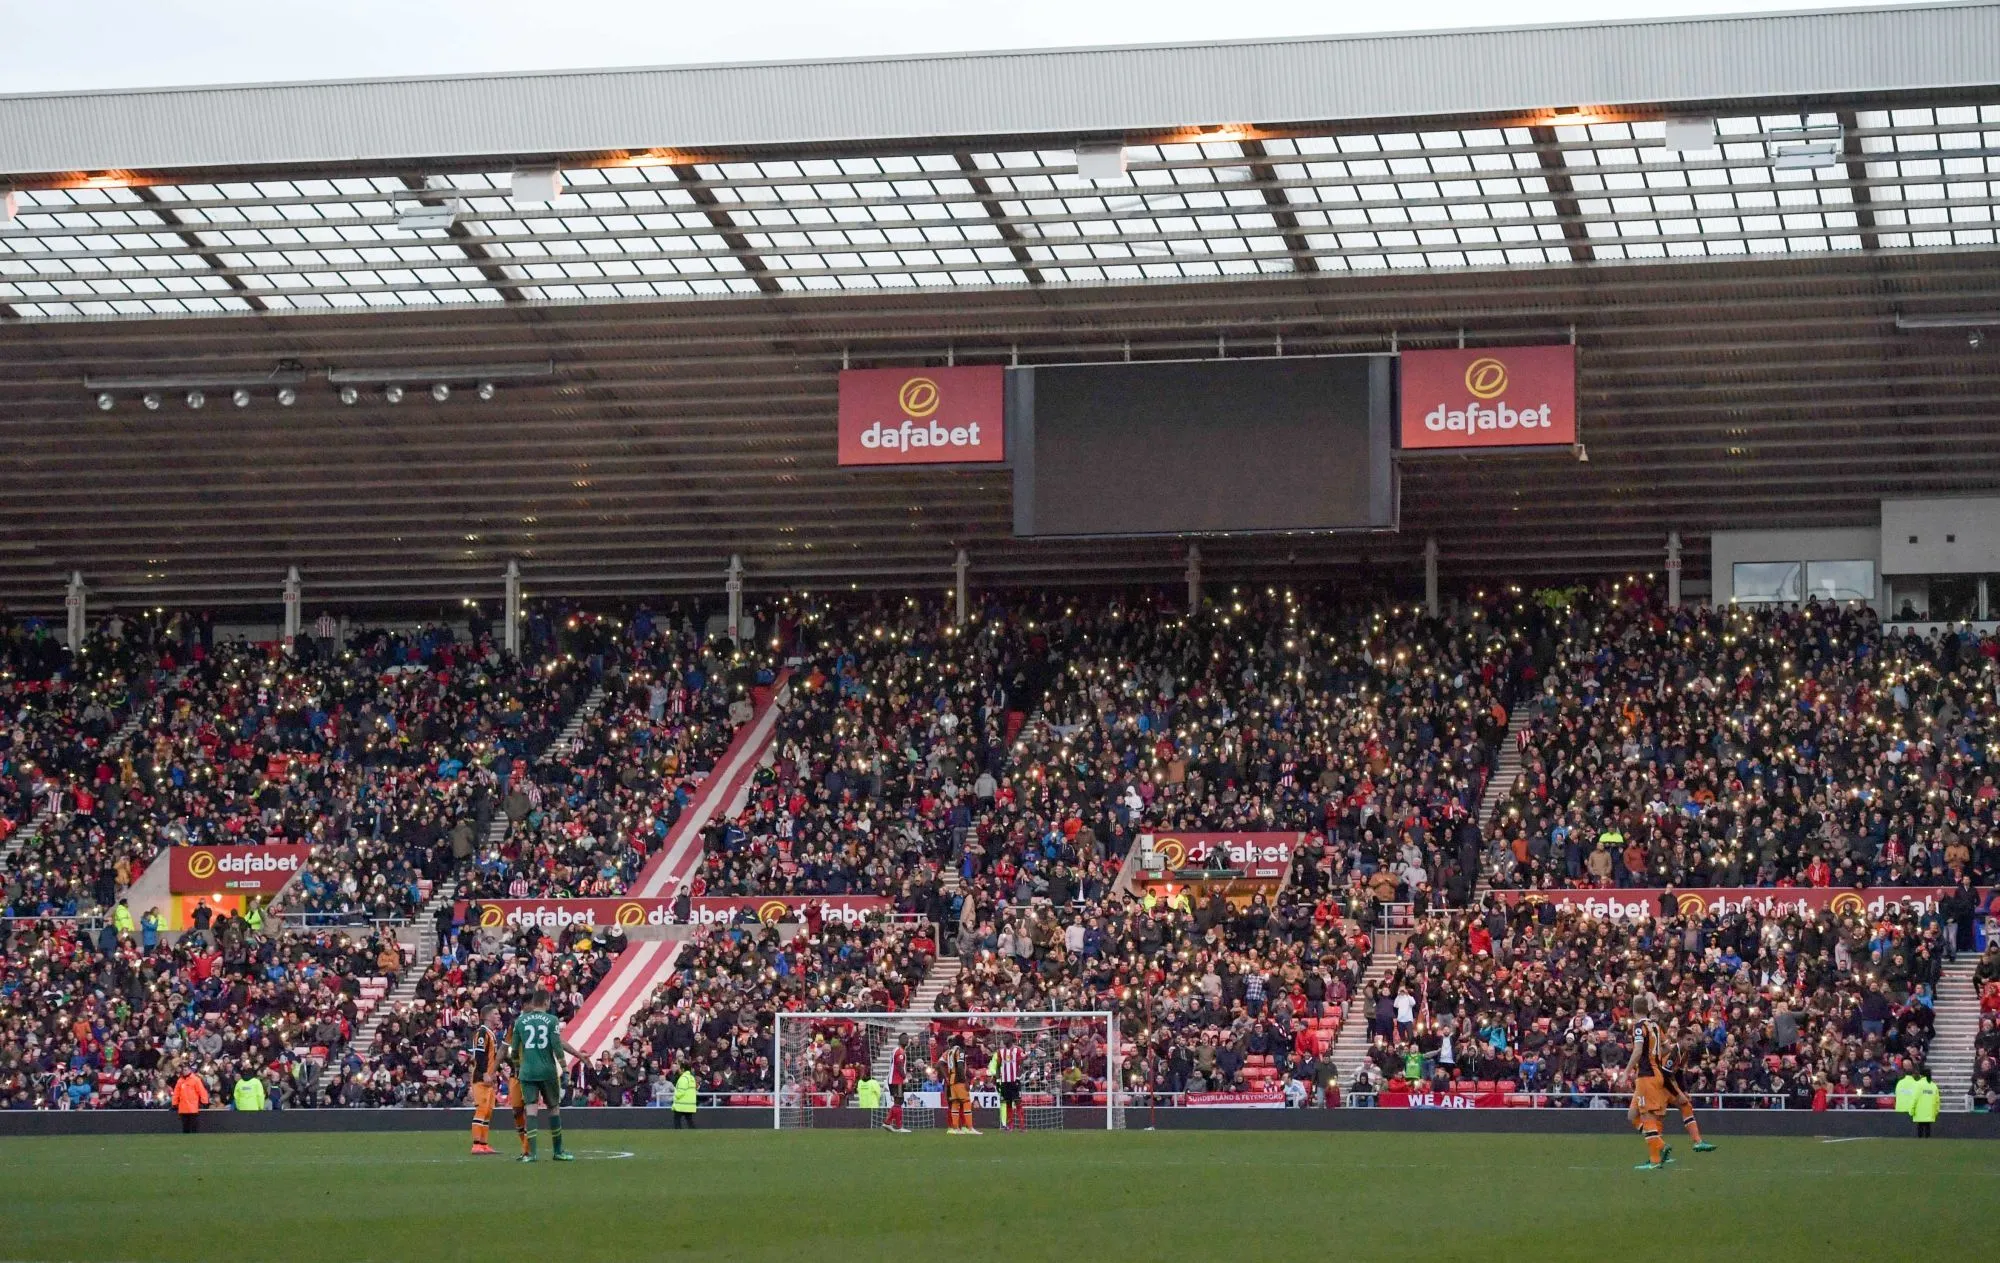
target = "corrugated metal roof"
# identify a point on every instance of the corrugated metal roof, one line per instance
(1061, 92)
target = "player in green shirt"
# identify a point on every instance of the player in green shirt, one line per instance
(536, 1048)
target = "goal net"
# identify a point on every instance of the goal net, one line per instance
(1068, 1067)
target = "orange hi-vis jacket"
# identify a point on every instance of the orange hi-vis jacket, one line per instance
(190, 1094)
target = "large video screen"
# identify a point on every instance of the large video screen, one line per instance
(1202, 446)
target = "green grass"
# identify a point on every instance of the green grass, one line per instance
(929, 1198)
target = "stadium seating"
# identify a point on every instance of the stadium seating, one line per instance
(376, 755)
(1742, 746)
(90, 1020)
(1223, 999)
(992, 778)
(1764, 1008)
(421, 1054)
(715, 1014)
(1027, 752)
(584, 824)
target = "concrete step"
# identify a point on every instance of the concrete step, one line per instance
(1350, 1047)
(1955, 1027)
(404, 990)
(1505, 769)
(116, 742)
(943, 973)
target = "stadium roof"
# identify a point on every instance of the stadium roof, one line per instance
(1381, 153)
(1744, 310)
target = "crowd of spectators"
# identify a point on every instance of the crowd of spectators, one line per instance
(1752, 746)
(387, 757)
(1023, 753)
(59, 710)
(1808, 1009)
(92, 1020)
(422, 1052)
(992, 778)
(1212, 994)
(716, 1012)
(584, 823)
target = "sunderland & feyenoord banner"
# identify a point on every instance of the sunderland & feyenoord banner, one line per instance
(556, 914)
(234, 870)
(1272, 1100)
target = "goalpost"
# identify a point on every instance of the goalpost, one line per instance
(1071, 1062)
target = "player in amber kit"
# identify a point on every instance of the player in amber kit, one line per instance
(1649, 1087)
(899, 1080)
(486, 1073)
(958, 1089)
(536, 1048)
(1677, 1097)
(1656, 1088)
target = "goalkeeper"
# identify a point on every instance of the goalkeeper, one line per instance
(536, 1048)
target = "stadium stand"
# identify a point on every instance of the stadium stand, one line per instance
(96, 1020)
(1533, 1000)
(1745, 747)
(714, 1014)
(421, 1052)
(1217, 997)
(635, 375)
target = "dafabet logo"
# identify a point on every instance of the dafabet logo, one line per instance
(1491, 397)
(928, 416)
(919, 398)
(243, 870)
(1485, 377)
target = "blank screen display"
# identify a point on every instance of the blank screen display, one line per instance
(1202, 447)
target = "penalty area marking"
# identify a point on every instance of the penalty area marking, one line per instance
(1844, 1140)
(602, 1155)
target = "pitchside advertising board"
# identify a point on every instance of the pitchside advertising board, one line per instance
(1623, 905)
(1517, 396)
(594, 914)
(234, 870)
(923, 416)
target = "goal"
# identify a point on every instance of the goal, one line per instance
(1071, 1066)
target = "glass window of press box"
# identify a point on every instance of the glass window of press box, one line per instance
(1765, 582)
(1840, 580)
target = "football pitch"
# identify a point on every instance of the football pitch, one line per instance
(1093, 1196)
